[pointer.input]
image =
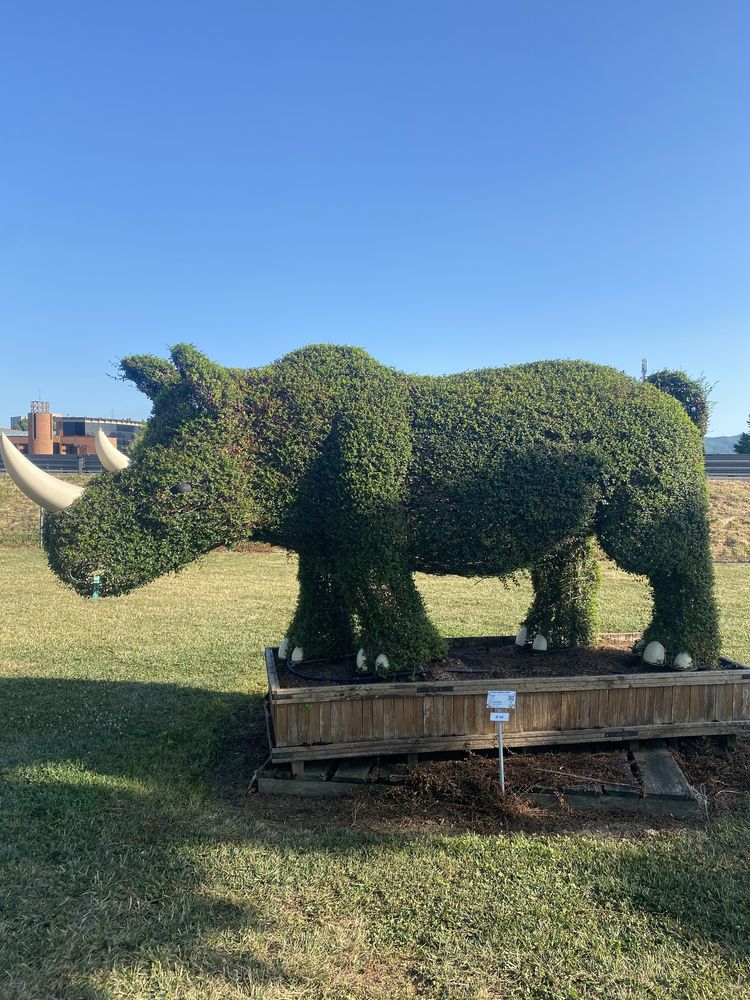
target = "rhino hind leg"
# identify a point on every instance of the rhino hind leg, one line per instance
(670, 545)
(566, 582)
(322, 623)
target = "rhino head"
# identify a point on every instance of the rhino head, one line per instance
(185, 490)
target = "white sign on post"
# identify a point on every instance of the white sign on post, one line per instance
(496, 700)
(501, 699)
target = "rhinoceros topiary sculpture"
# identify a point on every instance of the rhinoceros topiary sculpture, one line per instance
(370, 474)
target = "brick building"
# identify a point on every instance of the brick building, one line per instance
(55, 434)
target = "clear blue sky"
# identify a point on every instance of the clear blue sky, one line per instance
(449, 185)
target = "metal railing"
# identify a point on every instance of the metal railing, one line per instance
(728, 466)
(58, 464)
(717, 466)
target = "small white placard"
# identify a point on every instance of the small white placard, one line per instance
(501, 699)
(499, 716)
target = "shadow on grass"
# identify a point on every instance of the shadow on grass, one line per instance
(183, 736)
(106, 820)
(119, 839)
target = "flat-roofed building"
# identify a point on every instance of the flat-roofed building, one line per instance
(55, 434)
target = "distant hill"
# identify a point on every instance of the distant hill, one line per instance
(720, 445)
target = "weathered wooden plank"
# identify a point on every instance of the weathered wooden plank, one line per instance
(389, 718)
(532, 712)
(584, 709)
(449, 728)
(337, 726)
(540, 738)
(303, 721)
(280, 715)
(358, 717)
(645, 705)
(351, 730)
(273, 679)
(293, 724)
(315, 789)
(415, 714)
(367, 719)
(724, 694)
(439, 717)
(378, 729)
(745, 708)
(469, 723)
(681, 704)
(316, 770)
(482, 714)
(519, 715)
(356, 769)
(702, 704)
(587, 801)
(631, 710)
(660, 773)
(663, 705)
(315, 711)
(599, 707)
(325, 721)
(569, 709)
(408, 689)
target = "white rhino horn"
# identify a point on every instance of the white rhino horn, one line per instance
(39, 486)
(112, 459)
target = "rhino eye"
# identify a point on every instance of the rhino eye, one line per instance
(183, 487)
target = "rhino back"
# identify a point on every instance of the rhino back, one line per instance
(506, 462)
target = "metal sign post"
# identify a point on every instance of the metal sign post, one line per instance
(500, 700)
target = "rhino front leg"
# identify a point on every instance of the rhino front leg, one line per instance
(322, 623)
(564, 609)
(392, 619)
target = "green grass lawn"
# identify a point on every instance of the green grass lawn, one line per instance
(133, 864)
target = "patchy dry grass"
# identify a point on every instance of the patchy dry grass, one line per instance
(19, 517)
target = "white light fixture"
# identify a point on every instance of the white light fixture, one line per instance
(655, 654)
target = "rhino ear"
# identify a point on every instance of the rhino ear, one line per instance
(151, 375)
(207, 382)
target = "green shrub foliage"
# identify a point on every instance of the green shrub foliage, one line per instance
(370, 474)
(742, 447)
(689, 392)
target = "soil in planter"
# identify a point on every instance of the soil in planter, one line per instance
(496, 659)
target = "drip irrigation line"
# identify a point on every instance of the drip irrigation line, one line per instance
(467, 670)
(348, 680)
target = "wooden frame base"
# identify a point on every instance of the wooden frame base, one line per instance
(361, 720)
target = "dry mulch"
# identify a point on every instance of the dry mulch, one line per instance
(475, 779)
(723, 769)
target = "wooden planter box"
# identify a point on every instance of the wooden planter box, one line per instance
(355, 720)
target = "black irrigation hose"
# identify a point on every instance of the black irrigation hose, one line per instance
(467, 670)
(348, 680)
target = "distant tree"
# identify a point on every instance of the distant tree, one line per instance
(742, 447)
(23, 424)
(692, 393)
